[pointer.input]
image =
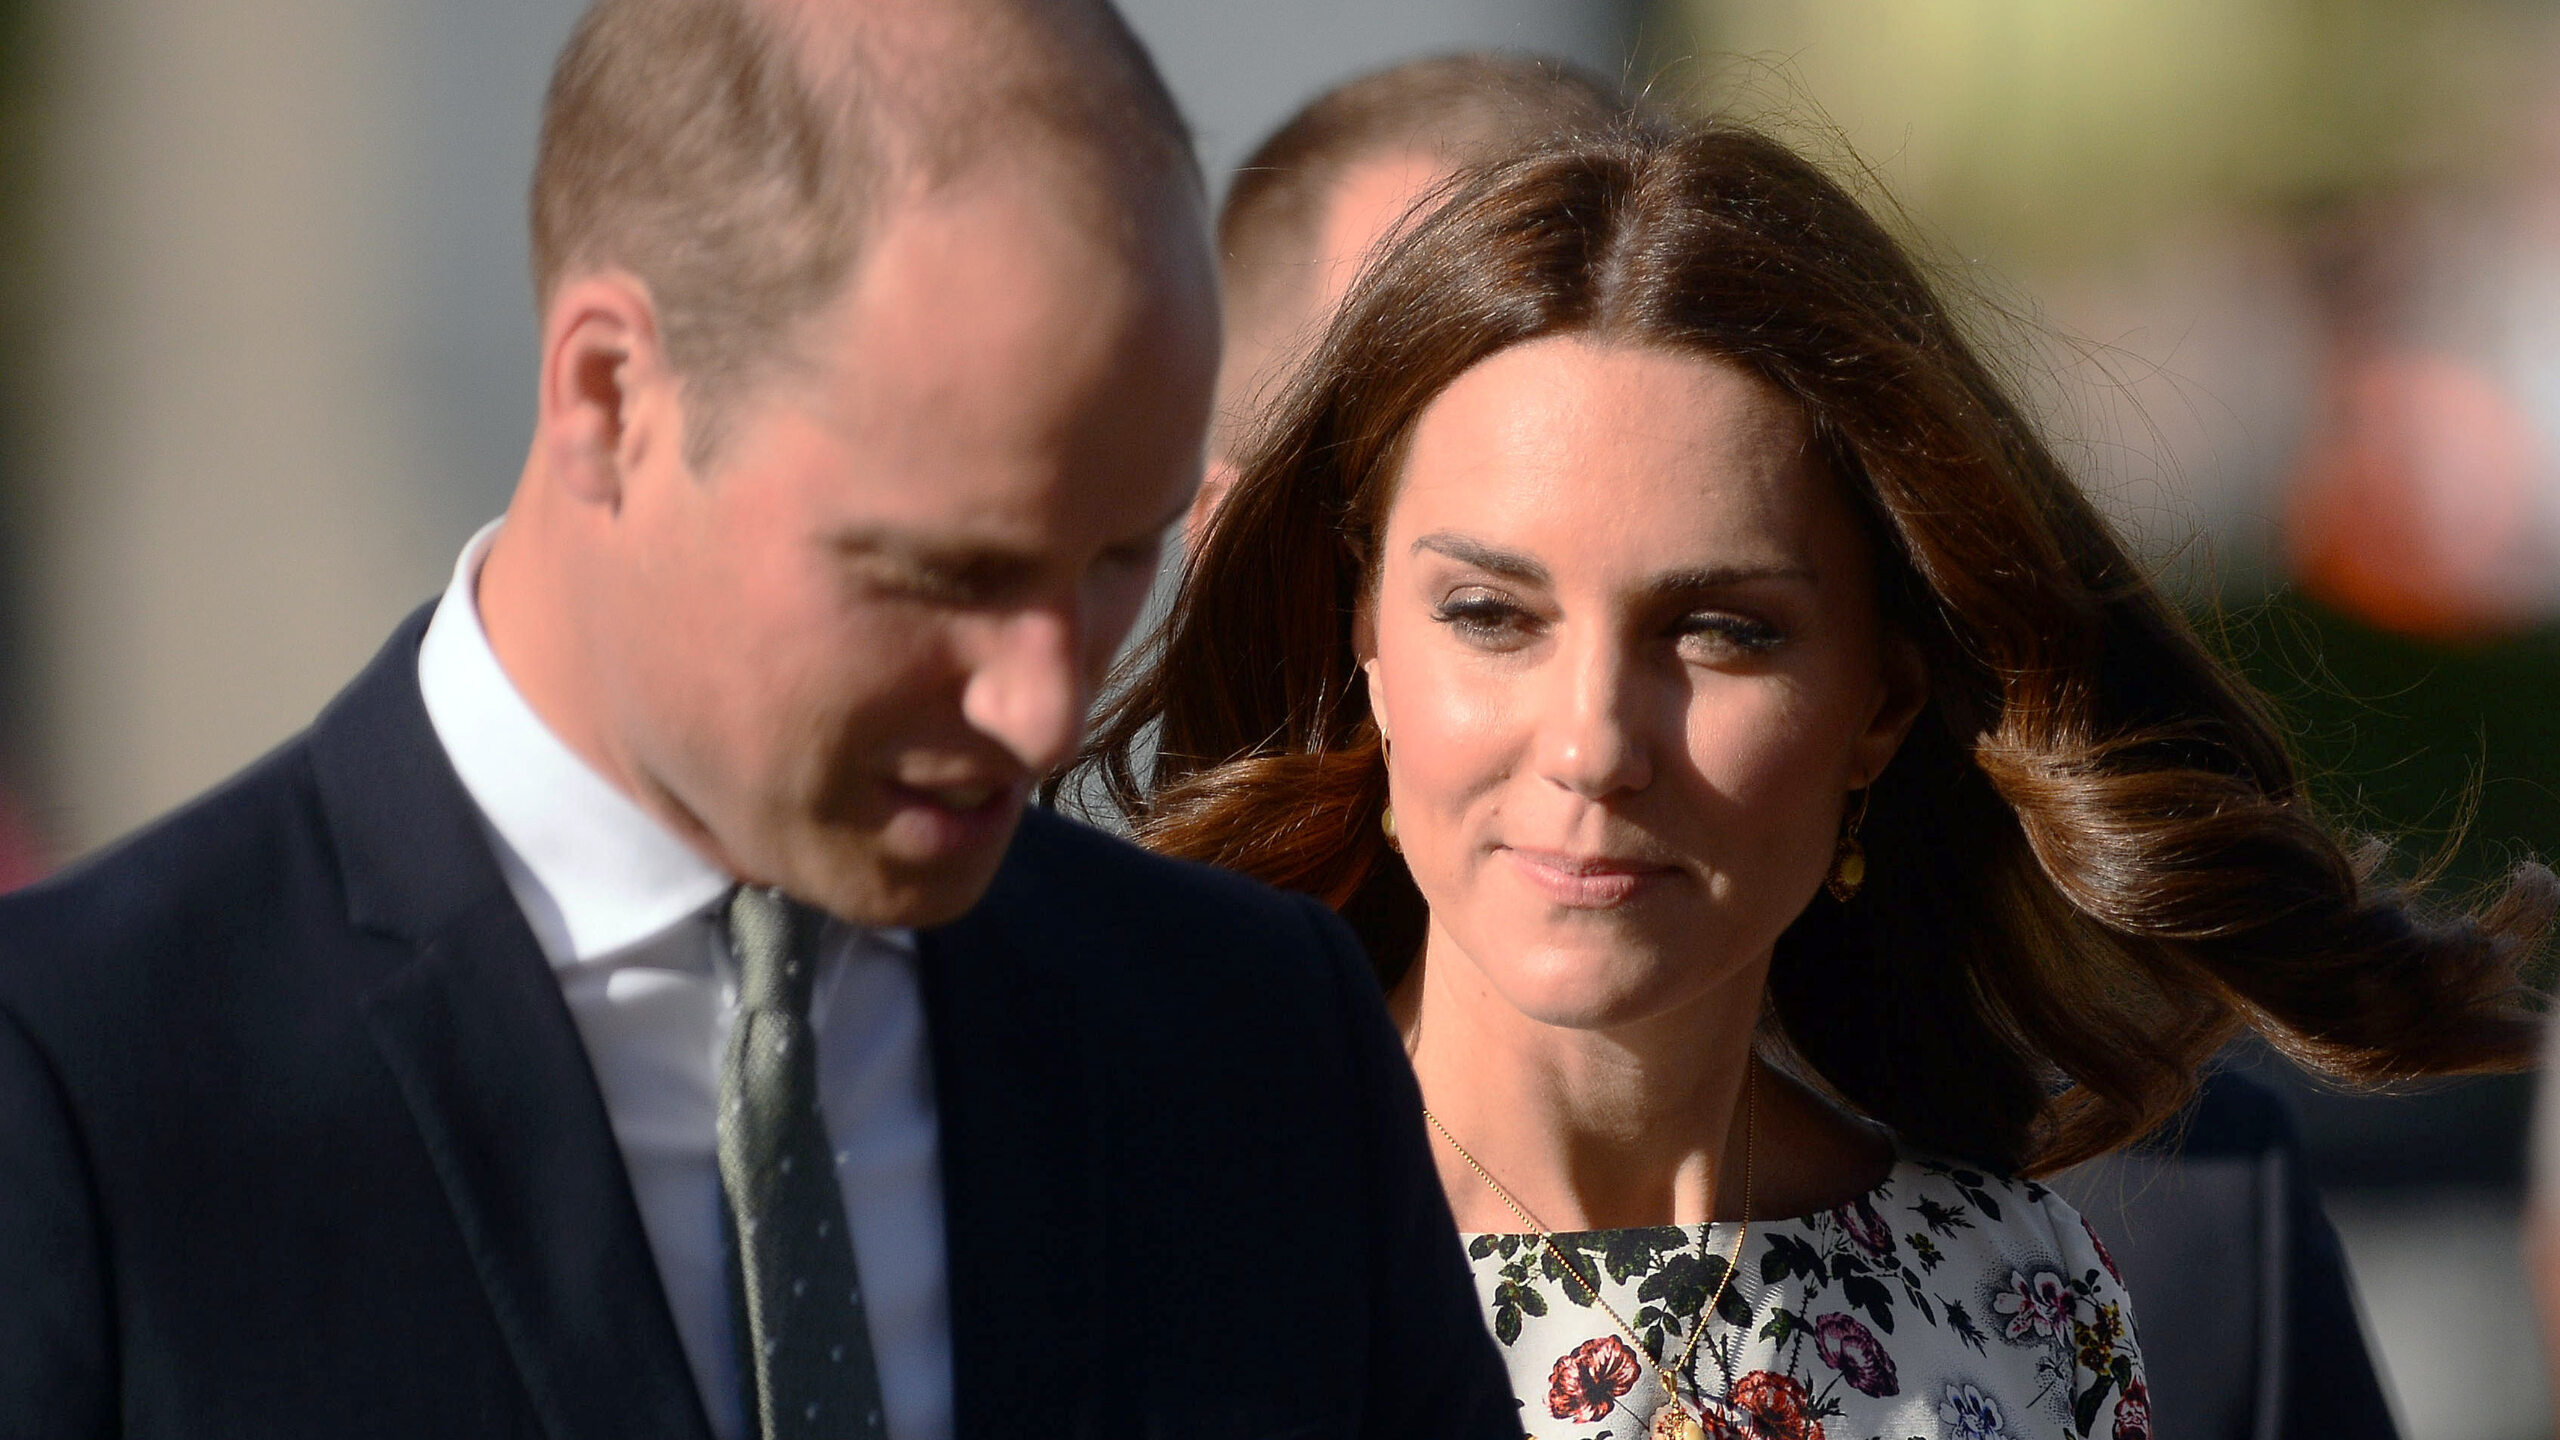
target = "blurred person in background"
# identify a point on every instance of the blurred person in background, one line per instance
(639, 1005)
(1784, 812)
(2214, 1203)
(2542, 1204)
(1307, 208)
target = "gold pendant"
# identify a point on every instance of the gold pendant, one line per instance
(1674, 1422)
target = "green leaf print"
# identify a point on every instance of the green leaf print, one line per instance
(2084, 1406)
(1944, 1220)
(1962, 1324)
(1524, 1296)
(1684, 1282)
(1556, 1276)
(1732, 1308)
(1792, 1255)
(1868, 1293)
(1629, 1253)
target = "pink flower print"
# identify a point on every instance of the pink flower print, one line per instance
(2103, 1257)
(2036, 1308)
(1867, 1229)
(1853, 1350)
(1779, 1406)
(2133, 1412)
(1586, 1383)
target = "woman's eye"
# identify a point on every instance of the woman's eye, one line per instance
(1482, 618)
(1725, 635)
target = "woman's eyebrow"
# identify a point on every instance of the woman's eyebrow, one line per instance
(1717, 577)
(1509, 564)
(1512, 565)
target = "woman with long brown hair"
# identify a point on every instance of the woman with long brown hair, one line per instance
(1782, 813)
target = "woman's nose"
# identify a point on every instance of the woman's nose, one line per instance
(1590, 738)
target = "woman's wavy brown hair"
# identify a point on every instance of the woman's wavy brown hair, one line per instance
(2092, 862)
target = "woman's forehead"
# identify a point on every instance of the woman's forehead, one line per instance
(1642, 451)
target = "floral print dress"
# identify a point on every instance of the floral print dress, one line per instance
(1945, 1304)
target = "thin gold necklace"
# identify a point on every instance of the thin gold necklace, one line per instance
(1675, 1421)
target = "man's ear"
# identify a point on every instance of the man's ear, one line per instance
(1214, 485)
(607, 398)
(1905, 689)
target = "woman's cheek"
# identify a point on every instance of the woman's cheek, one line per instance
(1772, 755)
(1452, 732)
(1446, 752)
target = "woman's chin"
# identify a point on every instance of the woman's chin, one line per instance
(1598, 993)
(1591, 972)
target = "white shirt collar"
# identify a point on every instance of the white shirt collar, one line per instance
(594, 873)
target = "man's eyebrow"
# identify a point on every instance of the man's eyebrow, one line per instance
(908, 545)
(928, 553)
(1467, 550)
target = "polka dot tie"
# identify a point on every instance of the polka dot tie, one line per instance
(805, 1345)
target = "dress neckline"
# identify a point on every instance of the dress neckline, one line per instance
(1873, 1195)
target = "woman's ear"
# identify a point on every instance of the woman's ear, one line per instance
(1903, 690)
(1364, 650)
(1377, 700)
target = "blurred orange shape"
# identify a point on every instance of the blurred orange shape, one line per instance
(2415, 509)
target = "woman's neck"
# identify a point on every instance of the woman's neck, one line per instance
(1639, 1124)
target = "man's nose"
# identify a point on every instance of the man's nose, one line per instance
(1026, 690)
(1589, 738)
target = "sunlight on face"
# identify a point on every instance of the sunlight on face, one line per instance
(1627, 655)
(853, 647)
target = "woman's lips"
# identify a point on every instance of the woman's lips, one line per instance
(1584, 882)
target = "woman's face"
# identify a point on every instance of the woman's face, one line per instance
(1626, 652)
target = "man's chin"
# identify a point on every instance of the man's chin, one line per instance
(868, 883)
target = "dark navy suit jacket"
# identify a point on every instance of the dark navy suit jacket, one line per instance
(2240, 1290)
(297, 1139)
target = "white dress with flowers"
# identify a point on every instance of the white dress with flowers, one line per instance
(1945, 1303)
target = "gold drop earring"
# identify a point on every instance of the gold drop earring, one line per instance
(1849, 858)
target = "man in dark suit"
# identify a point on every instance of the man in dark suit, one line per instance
(639, 1005)
(2240, 1288)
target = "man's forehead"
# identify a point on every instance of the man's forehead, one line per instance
(993, 261)
(989, 338)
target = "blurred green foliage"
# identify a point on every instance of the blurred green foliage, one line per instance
(2046, 130)
(2452, 753)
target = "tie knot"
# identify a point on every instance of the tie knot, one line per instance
(774, 940)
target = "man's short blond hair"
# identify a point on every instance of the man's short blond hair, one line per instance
(1452, 108)
(731, 154)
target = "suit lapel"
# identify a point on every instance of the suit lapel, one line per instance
(479, 1038)
(1018, 1092)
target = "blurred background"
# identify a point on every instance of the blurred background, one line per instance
(2284, 275)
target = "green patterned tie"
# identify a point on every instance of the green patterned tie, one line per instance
(806, 1347)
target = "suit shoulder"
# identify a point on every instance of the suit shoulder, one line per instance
(209, 860)
(1066, 855)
